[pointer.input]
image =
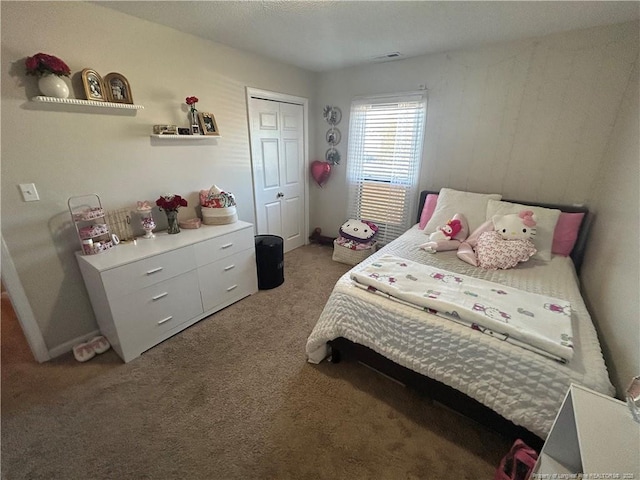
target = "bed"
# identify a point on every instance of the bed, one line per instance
(511, 389)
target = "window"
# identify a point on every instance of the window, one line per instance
(383, 160)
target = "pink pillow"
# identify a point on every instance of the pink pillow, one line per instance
(566, 233)
(427, 211)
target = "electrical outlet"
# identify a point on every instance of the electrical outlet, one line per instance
(29, 192)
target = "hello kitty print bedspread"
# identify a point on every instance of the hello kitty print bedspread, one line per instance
(537, 322)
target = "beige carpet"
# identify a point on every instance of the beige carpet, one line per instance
(232, 397)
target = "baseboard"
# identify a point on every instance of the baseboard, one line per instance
(68, 346)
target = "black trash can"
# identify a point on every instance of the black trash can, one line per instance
(270, 261)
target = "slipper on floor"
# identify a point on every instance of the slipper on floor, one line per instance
(83, 352)
(99, 344)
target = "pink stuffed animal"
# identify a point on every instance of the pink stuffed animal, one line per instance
(447, 232)
(449, 236)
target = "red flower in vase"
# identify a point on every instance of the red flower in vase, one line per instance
(42, 63)
(171, 202)
(191, 101)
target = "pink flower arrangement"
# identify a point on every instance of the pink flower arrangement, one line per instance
(170, 203)
(42, 64)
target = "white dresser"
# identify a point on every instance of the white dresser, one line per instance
(143, 293)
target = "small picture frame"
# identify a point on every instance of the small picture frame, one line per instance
(165, 129)
(93, 85)
(117, 88)
(184, 131)
(208, 124)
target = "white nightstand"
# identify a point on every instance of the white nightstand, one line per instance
(593, 435)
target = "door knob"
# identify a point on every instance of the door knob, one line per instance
(280, 195)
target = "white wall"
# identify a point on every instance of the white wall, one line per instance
(76, 152)
(610, 277)
(533, 120)
(528, 119)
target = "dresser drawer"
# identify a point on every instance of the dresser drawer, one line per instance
(143, 316)
(228, 280)
(143, 273)
(223, 246)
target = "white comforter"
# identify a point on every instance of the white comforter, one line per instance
(521, 385)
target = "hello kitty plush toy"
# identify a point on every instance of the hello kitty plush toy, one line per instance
(357, 234)
(502, 242)
(519, 226)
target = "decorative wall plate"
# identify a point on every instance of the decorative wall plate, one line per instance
(332, 156)
(332, 115)
(333, 136)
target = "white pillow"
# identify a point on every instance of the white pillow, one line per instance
(546, 219)
(472, 205)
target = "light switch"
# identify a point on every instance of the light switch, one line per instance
(29, 192)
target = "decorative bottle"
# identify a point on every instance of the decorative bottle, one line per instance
(146, 219)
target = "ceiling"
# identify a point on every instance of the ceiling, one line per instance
(327, 35)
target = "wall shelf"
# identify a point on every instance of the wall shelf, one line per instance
(86, 103)
(185, 137)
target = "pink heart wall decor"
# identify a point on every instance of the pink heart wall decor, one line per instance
(320, 171)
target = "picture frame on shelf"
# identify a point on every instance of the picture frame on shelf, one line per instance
(117, 88)
(208, 124)
(165, 129)
(184, 131)
(93, 83)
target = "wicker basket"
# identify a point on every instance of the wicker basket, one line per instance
(351, 257)
(219, 216)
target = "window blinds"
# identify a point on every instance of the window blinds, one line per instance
(383, 160)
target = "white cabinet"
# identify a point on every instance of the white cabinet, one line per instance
(593, 435)
(144, 292)
(233, 275)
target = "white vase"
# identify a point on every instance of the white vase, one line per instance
(53, 86)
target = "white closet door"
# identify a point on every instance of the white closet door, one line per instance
(277, 150)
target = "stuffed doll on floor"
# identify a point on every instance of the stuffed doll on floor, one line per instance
(357, 234)
(502, 242)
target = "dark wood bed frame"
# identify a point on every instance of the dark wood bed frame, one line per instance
(343, 349)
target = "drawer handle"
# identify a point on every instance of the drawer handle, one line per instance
(158, 297)
(165, 320)
(227, 245)
(154, 270)
(226, 269)
(232, 287)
